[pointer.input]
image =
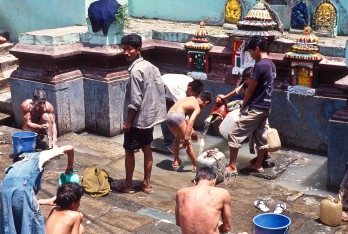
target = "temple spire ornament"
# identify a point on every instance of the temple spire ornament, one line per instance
(304, 59)
(197, 50)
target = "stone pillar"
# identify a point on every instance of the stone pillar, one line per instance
(85, 83)
(51, 60)
(337, 142)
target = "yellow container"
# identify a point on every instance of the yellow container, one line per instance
(273, 140)
(331, 211)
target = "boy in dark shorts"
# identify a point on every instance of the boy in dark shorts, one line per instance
(181, 128)
(144, 107)
(64, 218)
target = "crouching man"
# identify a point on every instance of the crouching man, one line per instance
(39, 117)
(198, 208)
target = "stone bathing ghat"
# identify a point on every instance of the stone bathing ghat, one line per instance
(86, 82)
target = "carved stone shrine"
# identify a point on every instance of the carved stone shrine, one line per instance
(304, 60)
(261, 20)
(300, 17)
(197, 50)
(325, 19)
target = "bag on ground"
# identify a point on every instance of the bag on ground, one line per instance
(95, 182)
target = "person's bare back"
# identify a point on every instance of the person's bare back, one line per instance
(64, 222)
(186, 106)
(198, 208)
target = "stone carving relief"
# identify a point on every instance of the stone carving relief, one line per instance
(325, 18)
(233, 11)
(300, 16)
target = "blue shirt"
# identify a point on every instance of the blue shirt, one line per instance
(264, 73)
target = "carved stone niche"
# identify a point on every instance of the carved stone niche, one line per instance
(300, 17)
(276, 2)
(325, 19)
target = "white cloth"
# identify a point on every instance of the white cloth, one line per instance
(176, 86)
(48, 154)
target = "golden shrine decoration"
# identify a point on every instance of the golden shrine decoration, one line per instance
(303, 77)
(233, 11)
(325, 17)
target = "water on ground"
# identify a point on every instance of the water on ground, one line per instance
(307, 174)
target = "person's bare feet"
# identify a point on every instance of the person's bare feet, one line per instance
(176, 163)
(230, 169)
(344, 216)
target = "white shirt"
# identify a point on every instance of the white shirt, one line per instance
(176, 86)
(48, 154)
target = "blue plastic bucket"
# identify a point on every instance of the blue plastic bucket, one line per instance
(271, 224)
(23, 142)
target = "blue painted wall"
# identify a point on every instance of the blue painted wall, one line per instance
(213, 12)
(19, 16)
(210, 11)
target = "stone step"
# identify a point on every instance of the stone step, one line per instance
(7, 62)
(5, 48)
(5, 103)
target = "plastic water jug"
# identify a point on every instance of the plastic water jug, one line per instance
(273, 140)
(213, 159)
(331, 211)
(227, 123)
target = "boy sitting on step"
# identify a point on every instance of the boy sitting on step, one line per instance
(64, 218)
(182, 127)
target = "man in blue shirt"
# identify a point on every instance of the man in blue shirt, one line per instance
(256, 107)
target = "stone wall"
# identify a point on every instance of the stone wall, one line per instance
(18, 16)
(213, 12)
(308, 129)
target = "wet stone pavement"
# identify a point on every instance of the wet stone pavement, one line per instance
(142, 213)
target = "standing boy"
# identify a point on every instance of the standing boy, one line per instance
(178, 86)
(144, 107)
(198, 208)
(256, 107)
(182, 128)
(64, 218)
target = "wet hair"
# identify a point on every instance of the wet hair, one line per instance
(256, 41)
(67, 194)
(205, 96)
(205, 173)
(247, 72)
(196, 86)
(132, 39)
(39, 94)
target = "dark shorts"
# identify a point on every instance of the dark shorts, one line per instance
(137, 137)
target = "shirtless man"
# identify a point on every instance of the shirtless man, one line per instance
(65, 219)
(198, 208)
(182, 127)
(39, 117)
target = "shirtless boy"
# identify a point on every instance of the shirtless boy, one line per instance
(182, 127)
(39, 117)
(64, 219)
(198, 208)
